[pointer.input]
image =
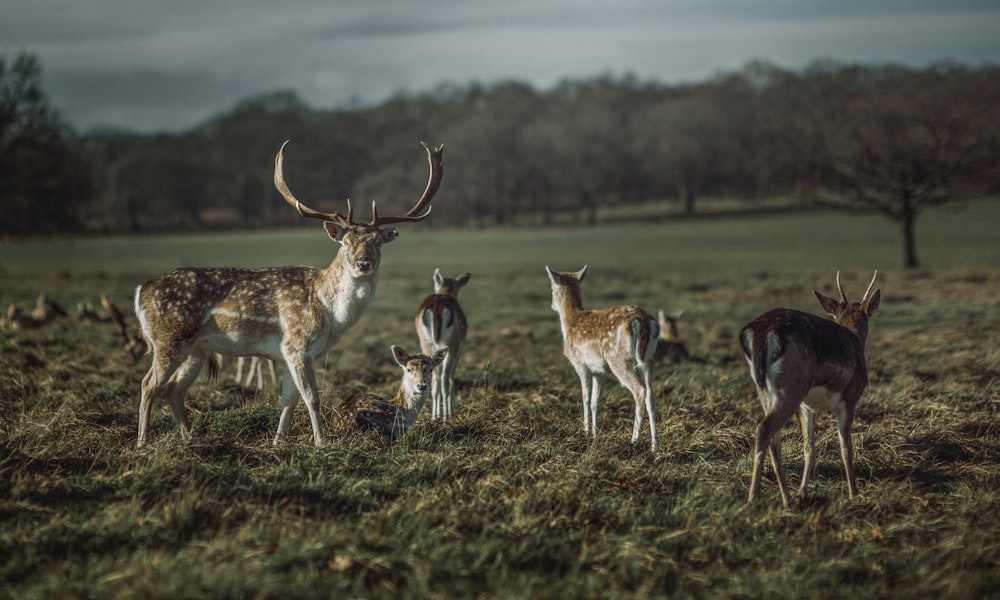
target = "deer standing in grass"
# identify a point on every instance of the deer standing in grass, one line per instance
(802, 364)
(622, 339)
(392, 418)
(291, 314)
(441, 322)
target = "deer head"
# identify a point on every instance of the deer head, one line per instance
(852, 315)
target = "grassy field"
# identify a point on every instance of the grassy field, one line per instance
(510, 499)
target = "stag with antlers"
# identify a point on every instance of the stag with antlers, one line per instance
(803, 364)
(291, 314)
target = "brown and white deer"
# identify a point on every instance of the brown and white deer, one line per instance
(803, 364)
(622, 339)
(392, 418)
(441, 322)
(291, 314)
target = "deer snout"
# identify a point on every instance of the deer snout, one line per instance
(422, 386)
(365, 266)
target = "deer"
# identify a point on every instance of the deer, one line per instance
(622, 339)
(391, 419)
(440, 322)
(802, 364)
(670, 347)
(288, 314)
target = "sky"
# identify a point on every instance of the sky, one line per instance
(169, 65)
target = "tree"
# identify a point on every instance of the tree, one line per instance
(43, 178)
(898, 142)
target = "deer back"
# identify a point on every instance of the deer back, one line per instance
(789, 345)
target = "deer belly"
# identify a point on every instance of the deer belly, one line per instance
(822, 399)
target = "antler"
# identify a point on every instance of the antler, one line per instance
(305, 211)
(870, 286)
(843, 296)
(417, 213)
(435, 159)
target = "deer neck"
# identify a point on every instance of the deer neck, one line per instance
(568, 303)
(346, 294)
(410, 405)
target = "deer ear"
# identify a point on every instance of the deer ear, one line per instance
(463, 279)
(335, 231)
(439, 356)
(830, 305)
(872, 303)
(400, 355)
(582, 273)
(389, 234)
(438, 278)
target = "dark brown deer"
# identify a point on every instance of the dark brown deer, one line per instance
(802, 364)
(441, 322)
(291, 314)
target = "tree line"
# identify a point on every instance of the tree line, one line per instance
(885, 139)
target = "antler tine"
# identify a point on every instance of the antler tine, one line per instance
(843, 296)
(870, 287)
(435, 158)
(305, 211)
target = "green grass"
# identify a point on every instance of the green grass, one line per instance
(511, 499)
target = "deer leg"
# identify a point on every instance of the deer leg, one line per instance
(595, 398)
(774, 449)
(630, 380)
(177, 389)
(300, 372)
(844, 422)
(448, 381)
(437, 391)
(766, 432)
(159, 373)
(647, 388)
(289, 398)
(806, 418)
(585, 385)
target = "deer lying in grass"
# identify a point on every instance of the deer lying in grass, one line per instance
(622, 339)
(392, 418)
(292, 314)
(802, 364)
(669, 347)
(441, 322)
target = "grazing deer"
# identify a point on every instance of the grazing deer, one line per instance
(392, 418)
(802, 364)
(440, 323)
(291, 314)
(670, 347)
(622, 339)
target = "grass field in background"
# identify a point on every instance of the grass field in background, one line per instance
(510, 499)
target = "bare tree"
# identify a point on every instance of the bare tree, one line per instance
(898, 142)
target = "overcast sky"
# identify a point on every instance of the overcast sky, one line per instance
(168, 65)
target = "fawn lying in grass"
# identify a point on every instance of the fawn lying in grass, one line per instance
(391, 418)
